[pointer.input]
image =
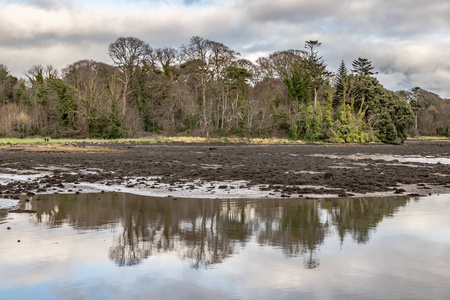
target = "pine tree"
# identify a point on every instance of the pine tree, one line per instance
(316, 67)
(341, 86)
(362, 66)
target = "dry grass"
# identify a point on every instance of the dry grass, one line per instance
(431, 138)
(227, 140)
(53, 148)
(160, 139)
(65, 145)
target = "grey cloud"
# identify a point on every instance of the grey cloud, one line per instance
(369, 17)
(288, 11)
(50, 39)
(50, 4)
(405, 39)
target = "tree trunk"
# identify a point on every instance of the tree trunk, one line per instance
(124, 96)
(315, 98)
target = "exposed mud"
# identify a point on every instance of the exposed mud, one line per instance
(272, 170)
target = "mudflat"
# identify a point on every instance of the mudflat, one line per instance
(416, 167)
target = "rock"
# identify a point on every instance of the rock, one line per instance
(399, 191)
(329, 176)
(414, 195)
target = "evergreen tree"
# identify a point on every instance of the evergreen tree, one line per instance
(316, 67)
(297, 82)
(388, 114)
(341, 86)
(362, 66)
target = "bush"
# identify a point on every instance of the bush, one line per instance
(350, 127)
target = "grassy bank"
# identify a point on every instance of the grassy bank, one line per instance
(163, 139)
(430, 138)
(157, 139)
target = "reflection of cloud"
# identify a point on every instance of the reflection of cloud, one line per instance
(401, 257)
(7, 203)
(400, 37)
(47, 254)
(422, 218)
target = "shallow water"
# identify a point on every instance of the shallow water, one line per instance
(7, 203)
(123, 246)
(395, 158)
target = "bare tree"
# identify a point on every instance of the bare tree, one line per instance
(280, 63)
(128, 53)
(212, 59)
(165, 59)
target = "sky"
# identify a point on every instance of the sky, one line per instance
(408, 41)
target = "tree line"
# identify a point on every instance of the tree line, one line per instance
(204, 88)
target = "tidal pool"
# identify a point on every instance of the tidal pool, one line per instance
(123, 246)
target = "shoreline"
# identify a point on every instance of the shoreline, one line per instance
(231, 171)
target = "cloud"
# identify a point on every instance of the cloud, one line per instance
(49, 4)
(404, 38)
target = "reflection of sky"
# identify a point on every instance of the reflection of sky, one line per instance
(7, 203)
(399, 158)
(406, 257)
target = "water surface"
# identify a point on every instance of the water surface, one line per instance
(123, 246)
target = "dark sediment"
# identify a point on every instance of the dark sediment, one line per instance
(279, 168)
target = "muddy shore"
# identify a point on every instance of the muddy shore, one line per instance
(293, 171)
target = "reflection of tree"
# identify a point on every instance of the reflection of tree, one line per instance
(297, 228)
(215, 231)
(304, 225)
(3, 214)
(359, 216)
(208, 231)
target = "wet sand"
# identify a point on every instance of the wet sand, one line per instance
(230, 170)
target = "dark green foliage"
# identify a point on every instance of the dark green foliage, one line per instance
(106, 126)
(22, 95)
(316, 68)
(236, 79)
(8, 88)
(389, 115)
(11, 89)
(142, 95)
(341, 86)
(362, 66)
(66, 102)
(297, 83)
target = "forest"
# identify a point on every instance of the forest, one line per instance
(205, 89)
